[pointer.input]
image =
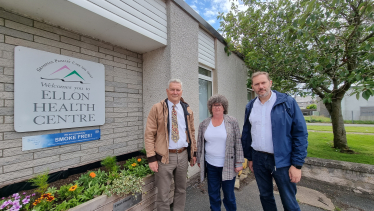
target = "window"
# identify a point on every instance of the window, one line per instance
(205, 92)
(249, 94)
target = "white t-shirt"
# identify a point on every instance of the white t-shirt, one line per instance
(215, 145)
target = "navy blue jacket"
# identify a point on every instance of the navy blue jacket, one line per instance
(289, 132)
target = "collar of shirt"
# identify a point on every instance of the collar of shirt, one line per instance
(272, 96)
(170, 104)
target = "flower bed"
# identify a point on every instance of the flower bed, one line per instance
(147, 203)
(94, 190)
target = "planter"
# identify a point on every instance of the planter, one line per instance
(105, 203)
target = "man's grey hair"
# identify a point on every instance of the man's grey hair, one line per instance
(175, 80)
(218, 99)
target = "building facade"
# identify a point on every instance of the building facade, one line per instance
(141, 45)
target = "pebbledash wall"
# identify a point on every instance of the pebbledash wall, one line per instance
(123, 129)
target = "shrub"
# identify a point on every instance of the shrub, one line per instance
(110, 163)
(311, 106)
(40, 181)
(125, 185)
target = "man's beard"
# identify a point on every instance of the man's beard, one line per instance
(267, 92)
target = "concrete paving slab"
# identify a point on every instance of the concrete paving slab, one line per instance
(314, 198)
(247, 199)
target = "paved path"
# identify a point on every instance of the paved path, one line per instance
(312, 196)
(247, 199)
(353, 125)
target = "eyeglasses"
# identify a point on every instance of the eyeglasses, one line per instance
(217, 105)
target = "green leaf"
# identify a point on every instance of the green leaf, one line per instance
(358, 96)
(366, 94)
(310, 6)
(334, 2)
(367, 47)
(302, 20)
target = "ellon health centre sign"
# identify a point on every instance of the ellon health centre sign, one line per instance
(53, 91)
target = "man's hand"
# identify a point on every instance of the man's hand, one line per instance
(198, 165)
(193, 161)
(153, 166)
(250, 165)
(295, 174)
(237, 169)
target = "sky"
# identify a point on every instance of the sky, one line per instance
(208, 9)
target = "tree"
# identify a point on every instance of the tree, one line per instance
(323, 47)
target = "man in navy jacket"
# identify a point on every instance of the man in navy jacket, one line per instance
(275, 141)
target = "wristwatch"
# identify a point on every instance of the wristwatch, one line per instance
(297, 166)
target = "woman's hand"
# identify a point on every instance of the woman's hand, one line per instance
(237, 169)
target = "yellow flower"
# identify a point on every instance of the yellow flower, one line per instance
(133, 165)
(92, 174)
(139, 159)
(72, 188)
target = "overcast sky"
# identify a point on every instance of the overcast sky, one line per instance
(208, 9)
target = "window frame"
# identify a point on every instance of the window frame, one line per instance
(206, 78)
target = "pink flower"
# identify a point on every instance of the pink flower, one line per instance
(25, 201)
(33, 194)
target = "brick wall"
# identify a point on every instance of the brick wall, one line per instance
(123, 129)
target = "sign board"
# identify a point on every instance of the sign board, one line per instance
(367, 111)
(127, 202)
(57, 139)
(53, 91)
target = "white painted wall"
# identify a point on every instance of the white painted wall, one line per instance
(206, 49)
(230, 80)
(147, 17)
(350, 103)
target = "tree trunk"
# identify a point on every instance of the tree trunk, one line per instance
(340, 137)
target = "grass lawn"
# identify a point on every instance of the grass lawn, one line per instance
(347, 129)
(320, 147)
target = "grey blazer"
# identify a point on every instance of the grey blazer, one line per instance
(234, 149)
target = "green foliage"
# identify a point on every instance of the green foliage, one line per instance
(40, 181)
(69, 191)
(139, 171)
(91, 192)
(137, 167)
(90, 185)
(359, 122)
(100, 177)
(110, 163)
(311, 119)
(319, 47)
(124, 185)
(51, 190)
(311, 106)
(63, 206)
(143, 151)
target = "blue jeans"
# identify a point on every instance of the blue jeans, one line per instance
(214, 176)
(264, 169)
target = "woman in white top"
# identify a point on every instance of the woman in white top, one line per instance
(220, 153)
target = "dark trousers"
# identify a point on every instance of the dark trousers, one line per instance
(265, 171)
(214, 176)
